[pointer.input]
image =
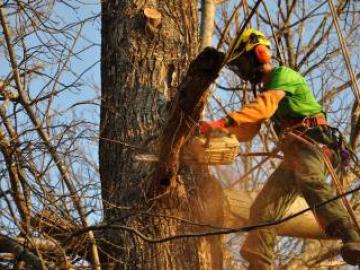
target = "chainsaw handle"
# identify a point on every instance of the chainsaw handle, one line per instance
(208, 135)
(207, 142)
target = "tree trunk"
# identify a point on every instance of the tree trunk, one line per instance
(208, 10)
(144, 57)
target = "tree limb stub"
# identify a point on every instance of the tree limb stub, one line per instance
(186, 111)
(153, 16)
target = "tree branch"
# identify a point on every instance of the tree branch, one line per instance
(208, 8)
(7, 245)
(185, 113)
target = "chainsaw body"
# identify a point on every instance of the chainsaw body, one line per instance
(215, 149)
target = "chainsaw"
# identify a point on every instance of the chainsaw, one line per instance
(217, 148)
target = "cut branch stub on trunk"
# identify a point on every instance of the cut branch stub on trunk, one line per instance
(153, 20)
(185, 112)
(153, 16)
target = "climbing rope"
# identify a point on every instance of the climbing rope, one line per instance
(345, 51)
(339, 188)
(355, 86)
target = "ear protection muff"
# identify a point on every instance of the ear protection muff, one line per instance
(262, 53)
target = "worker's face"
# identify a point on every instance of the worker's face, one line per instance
(267, 67)
(266, 70)
(248, 68)
(243, 67)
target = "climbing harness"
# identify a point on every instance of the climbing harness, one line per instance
(301, 137)
(307, 122)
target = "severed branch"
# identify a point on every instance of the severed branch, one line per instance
(19, 249)
(185, 112)
(21, 253)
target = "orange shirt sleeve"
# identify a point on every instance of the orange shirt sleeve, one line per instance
(248, 120)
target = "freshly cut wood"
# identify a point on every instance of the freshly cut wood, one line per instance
(153, 16)
(237, 209)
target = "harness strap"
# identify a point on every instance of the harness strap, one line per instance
(315, 121)
(307, 122)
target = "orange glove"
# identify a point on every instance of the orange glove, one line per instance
(206, 126)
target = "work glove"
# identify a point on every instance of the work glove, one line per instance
(206, 126)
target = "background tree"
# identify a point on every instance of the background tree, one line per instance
(43, 158)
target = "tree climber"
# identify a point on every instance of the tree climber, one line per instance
(286, 99)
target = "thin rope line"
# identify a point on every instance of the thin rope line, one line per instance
(345, 51)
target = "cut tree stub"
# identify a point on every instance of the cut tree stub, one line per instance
(153, 16)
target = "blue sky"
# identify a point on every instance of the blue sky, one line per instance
(85, 62)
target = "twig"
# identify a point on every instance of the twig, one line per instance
(45, 137)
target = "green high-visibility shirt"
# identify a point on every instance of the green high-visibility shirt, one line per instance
(299, 100)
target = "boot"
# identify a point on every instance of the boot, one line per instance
(343, 229)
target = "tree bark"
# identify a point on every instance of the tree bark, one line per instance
(142, 65)
(208, 9)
